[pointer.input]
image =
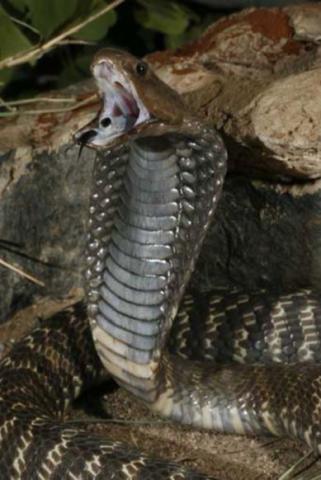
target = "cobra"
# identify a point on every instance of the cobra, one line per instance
(157, 180)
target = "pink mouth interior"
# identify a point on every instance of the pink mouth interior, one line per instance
(119, 101)
(124, 102)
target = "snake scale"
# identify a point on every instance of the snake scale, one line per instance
(237, 363)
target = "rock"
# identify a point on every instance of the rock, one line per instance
(266, 235)
(255, 75)
(286, 119)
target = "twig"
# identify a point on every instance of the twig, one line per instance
(77, 42)
(4, 104)
(39, 51)
(21, 272)
(287, 475)
(40, 99)
(26, 25)
(38, 111)
(17, 249)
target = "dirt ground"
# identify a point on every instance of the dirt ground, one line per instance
(225, 457)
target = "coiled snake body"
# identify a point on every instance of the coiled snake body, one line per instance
(156, 183)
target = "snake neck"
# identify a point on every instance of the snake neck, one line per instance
(151, 206)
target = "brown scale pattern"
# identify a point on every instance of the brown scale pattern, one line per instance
(39, 378)
(248, 327)
(47, 369)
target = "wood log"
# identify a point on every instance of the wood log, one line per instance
(255, 75)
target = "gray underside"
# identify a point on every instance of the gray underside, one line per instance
(135, 278)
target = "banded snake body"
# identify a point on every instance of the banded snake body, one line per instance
(156, 182)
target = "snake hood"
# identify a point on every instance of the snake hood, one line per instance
(134, 102)
(156, 184)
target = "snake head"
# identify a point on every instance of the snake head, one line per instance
(134, 102)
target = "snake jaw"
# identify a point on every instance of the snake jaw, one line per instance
(135, 102)
(122, 113)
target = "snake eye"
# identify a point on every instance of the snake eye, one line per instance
(105, 122)
(141, 68)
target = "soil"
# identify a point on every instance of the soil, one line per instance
(117, 415)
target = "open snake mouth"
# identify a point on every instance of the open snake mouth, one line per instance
(122, 109)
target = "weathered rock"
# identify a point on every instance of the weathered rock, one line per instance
(44, 213)
(286, 120)
(265, 236)
(256, 75)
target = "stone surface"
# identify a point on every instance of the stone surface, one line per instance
(264, 236)
(43, 215)
(286, 119)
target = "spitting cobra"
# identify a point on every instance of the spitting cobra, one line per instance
(157, 180)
